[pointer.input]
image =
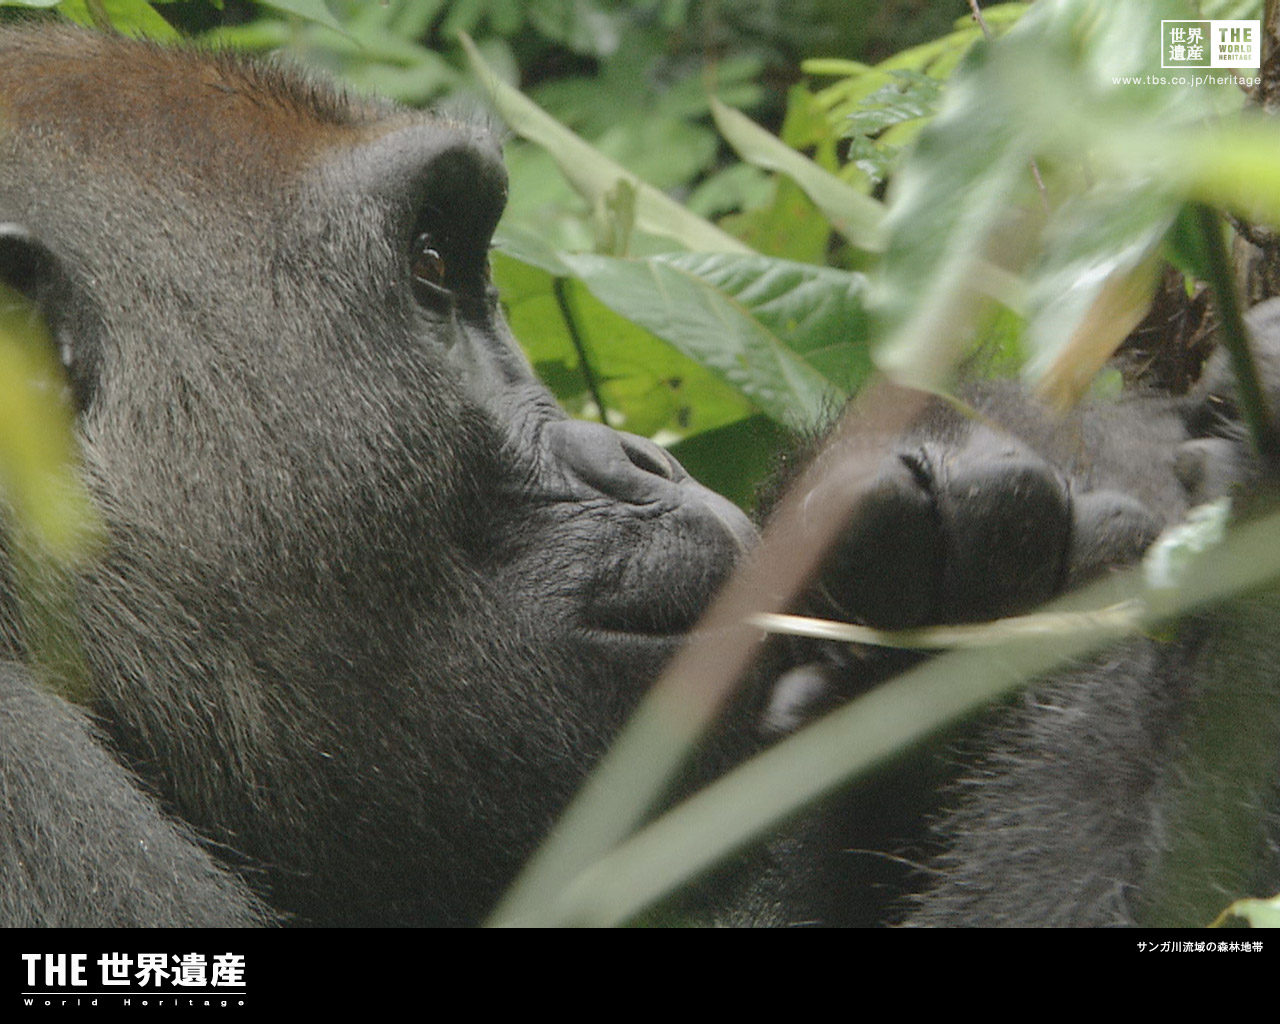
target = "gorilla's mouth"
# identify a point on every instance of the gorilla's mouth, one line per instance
(661, 586)
(657, 619)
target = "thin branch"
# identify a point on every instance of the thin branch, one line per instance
(977, 16)
(560, 287)
(1235, 337)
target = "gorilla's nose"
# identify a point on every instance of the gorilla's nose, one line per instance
(618, 465)
(636, 471)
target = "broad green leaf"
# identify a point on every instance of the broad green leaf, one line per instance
(789, 228)
(579, 102)
(593, 174)
(1099, 313)
(911, 95)
(647, 386)
(790, 337)
(928, 290)
(856, 216)
(1051, 87)
(1233, 164)
(737, 187)
(413, 21)
(786, 335)
(261, 34)
(732, 459)
(583, 27)
(817, 312)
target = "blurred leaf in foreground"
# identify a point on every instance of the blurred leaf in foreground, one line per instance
(38, 478)
(43, 504)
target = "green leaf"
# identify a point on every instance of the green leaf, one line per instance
(910, 95)
(1259, 913)
(1094, 282)
(732, 458)
(128, 17)
(932, 272)
(262, 34)
(856, 216)
(788, 336)
(790, 227)
(1051, 88)
(737, 187)
(1232, 165)
(664, 151)
(38, 453)
(309, 10)
(817, 312)
(648, 387)
(580, 25)
(594, 175)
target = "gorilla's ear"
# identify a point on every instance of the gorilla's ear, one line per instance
(31, 269)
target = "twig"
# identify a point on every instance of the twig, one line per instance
(1235, 337)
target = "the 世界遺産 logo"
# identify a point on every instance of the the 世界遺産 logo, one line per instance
(1210, 44)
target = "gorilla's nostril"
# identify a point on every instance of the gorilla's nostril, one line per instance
(614, 464)
(649, 457)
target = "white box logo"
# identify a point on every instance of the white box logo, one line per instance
(1210, 44)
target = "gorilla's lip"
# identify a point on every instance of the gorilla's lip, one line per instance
(659, 589)
(654, 619)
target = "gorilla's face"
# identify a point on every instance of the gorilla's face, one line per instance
(371, 604)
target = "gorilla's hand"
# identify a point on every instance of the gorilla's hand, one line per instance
(973, 524)
(972, 516)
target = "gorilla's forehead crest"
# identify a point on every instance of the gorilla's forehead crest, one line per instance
(232, 115)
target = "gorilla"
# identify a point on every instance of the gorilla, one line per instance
(370, 604)
(370, 607)
(1104, 796)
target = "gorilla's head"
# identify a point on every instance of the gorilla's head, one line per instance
(370, 605)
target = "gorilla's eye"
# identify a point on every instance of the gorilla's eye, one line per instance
(428, 265)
